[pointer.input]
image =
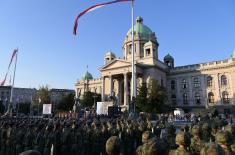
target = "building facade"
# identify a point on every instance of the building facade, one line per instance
(58, 94)
(191, 86)
(20, 95)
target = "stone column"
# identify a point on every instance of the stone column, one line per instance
(103, 89)
(125, 90)
(111, 84)
(119, 92)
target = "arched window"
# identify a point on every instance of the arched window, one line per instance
(197, 98)
(209, 81)
(211, 97)
(185, 98)
(184, 84)
(172, 84)
(224, 80)
(173, 99)
(225, 97)
(196, 82)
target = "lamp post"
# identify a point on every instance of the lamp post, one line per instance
(94, 96)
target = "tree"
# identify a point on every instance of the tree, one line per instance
(157, 97)
(44, 94)
(24, 108)
(66, 103)
(142, 98)
(88, 99)
(152, 98)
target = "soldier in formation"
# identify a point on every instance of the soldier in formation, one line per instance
(115, 136)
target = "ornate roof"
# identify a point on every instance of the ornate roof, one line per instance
(110, 53)
(168, 56)
(87, 76)
(140, 28)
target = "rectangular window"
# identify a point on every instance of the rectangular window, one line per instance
(196, 82)
(148, 52)
(130, 48)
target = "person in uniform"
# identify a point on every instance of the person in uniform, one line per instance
(180, 141)
(114, 146)
(196, 142)
(222, 139)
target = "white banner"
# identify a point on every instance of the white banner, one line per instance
(46, 109)
(102, 107)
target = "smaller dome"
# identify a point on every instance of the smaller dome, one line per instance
(233, 54)
(110, 53)
(87, 76)
(168, 56)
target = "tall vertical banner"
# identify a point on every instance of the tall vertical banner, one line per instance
(92, 8)
(12, 57)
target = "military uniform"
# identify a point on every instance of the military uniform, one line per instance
(114, 146)
(196, 143)
(180, 141)
(222, 139)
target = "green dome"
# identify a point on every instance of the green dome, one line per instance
(140, 28)
(233, 54)
(87, 76)
(168, 56)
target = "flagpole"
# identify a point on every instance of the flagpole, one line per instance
(12, 87)
(133, 81)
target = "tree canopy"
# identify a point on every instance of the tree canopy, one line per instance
(88, 99)
(66, 103)
(152, 98)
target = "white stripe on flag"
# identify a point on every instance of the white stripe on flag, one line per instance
(97, 7)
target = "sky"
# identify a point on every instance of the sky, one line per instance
(192, 31)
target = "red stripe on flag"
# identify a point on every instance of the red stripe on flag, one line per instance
(92, 8)
(12, 57)
(3, 82)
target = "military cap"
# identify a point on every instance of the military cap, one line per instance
(180, 138)
(230, 129)
(211, 149)
(233, 148)
(221, 138)
(195, 130)
(205, 126)
(113, 145)
(146, 136)
(30, 152)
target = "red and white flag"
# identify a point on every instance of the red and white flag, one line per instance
(92, 8)
(3, 82)
(12, 57)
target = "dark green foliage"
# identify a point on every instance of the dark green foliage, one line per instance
(88, 99)
(24, 108)
(142, 98)
(44, 95)
(66, 102)
(152, 99)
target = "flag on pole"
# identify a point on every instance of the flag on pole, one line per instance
(3, 82)
(12, 57)
(92, 8)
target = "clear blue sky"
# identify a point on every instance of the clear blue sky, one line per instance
(193, 31)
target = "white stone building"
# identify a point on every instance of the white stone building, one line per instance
(191, 86)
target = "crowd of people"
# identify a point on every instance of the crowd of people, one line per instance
(209, 135)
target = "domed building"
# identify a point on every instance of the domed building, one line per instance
(188, 87)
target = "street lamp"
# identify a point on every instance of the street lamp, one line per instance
(94, 96)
